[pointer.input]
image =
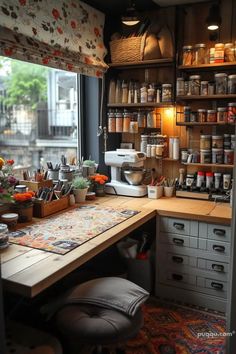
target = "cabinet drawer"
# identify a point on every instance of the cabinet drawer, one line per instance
(179, 240)
(218, 267)
(179, 259)
(212, 287)
(179, 226)
(176, 278)
(218, 247)
(215, 232)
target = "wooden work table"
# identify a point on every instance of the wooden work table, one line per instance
(29, 271)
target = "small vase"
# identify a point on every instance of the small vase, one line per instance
(80, 195)
(24, 210)
(100, 190)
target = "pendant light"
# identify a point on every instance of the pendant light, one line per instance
(130, 18)
(213, 20)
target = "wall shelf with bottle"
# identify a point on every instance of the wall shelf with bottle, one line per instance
(213, 66)
(208, 97)
(195, 124)
(208, 165)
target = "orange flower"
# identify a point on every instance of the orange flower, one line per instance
(99, 179)
(23, 197)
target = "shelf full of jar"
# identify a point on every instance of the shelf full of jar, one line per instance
(207, 165)
(214, 66)
(145, 63)
(141, 105)
(205, 97)
(192, 124)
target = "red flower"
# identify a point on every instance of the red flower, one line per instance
(34, 31)
(8, 52)
(45, 60)
(96, 31)
(10, 162)
(22, 2)
(55, 14)
(69, 66)
(73, 24)
(59, 30)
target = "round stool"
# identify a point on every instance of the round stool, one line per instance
(97, 326)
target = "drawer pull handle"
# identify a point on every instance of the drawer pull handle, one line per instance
(217, 267)
(177, 259)
(178, 226)
(178, 241)
(219, 232)
(177, 277)
(217, 286)
(218, 248)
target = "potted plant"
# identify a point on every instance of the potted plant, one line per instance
(98, 181)
(80, 188)
(90, 167)
(23, 205)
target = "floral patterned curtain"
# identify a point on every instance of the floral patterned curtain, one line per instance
(67, 35)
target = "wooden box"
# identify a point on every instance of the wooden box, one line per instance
(42, 208)
(35, 186)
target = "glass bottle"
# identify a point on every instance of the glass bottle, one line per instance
(126, 122)
(111, 122)
(118, 95)
(133, 128)
(119, 122)
(124, 92)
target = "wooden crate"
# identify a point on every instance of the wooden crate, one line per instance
(42, 209)
(35, 186)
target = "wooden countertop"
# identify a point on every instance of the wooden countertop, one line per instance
(28, 271)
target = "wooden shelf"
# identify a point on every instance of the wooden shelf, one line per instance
(192, 124)
(208, 97)
(208, 165)
(146, 63)
(230, 65)
(140, 105)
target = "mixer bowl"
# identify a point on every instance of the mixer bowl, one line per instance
(134, 177)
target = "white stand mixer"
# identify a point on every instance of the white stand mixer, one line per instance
(118, 159)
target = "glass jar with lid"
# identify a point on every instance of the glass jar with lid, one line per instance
(221, 83)
(222, 114)
(119, 122)
(195, 84)
(205, 142)
(187, 55)
(180, 86)
(201, 115)
(200, 54)
(166, 93)
(143, 93)
(219, 52)
(229, 52)
(133, 128)
(126, 121)
(211, 115)
(232, 112)
(232, 84)
(111, 122)
(204, 88)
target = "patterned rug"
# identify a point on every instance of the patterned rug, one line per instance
(62, 233)
(173, 329)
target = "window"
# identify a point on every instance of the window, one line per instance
(38, 113)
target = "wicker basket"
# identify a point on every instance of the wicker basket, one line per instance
(127, 49)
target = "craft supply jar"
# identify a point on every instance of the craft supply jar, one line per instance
(143, 143)
(187, 55)
(111, 122)
(205, 156)
(232, 112)
(211, 115)
(217, 156)
(204, 88)
(126, 122)
(201, 115)
(233, 141)
(219, 52)
(217, 141)
(232, 84)
(209, 180)
(229, 52)
(221, 82)
(166, 93)
(217, 176)
(194, 84)
(200, 54)
(227, 141)
(222, 114)
(119, 122)
(229, 157)
(187, 112)
(205, 142)
(180, 86)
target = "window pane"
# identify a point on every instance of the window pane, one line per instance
(38, 113)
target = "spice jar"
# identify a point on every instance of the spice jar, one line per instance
(217, 156)
(227, 141)
(133, 128)
(187, 55)
(205, 142)
(143, 143)
(119, 122)
(200, 178)
(180, 86)
(205, 156)
(232, 84)
(202, 115)
(159, 151)
(111, 122)
(229, 157)
(166, 92)
(219, 52)
(126, 122)
(195, 84)
(229, 52)
(124, 92)
(232, 112)
(217, 141)
(209, 179)
(221, 83)
(211, 115)
(200, 54)
(187, 112)
(222, 114)
(204, 88)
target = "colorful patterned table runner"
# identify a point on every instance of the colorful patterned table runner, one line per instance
(62, 233)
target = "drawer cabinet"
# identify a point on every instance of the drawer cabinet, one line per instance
(193, 261)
